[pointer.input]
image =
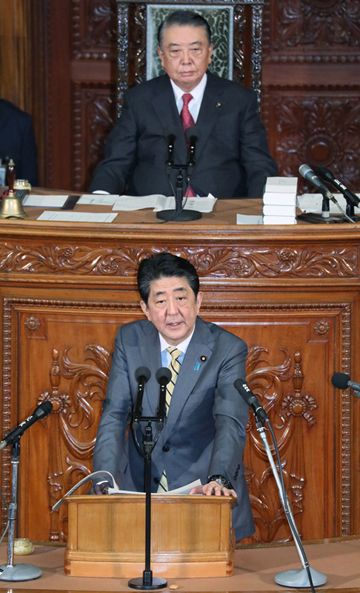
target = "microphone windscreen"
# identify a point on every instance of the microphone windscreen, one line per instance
(324, 173)
(340, 380)
(43, 409)
(305, 171)
(242, 388)
(163, 375)
(142, 374)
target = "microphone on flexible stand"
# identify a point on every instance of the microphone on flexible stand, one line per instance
(307, 173)
(191, 139)
(351, 199)
(163, 377)
(328, 176)
(142, 375)
(11, 571)
(97, 474)
(307, 576)
(191, 143)
(170, 149)
(40, 412)
(147, 581)
(251, 400)
(179, 213)
(342, 381)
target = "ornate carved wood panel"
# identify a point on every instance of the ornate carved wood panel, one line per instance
(63, 350)
(294, 297)
(312, 85)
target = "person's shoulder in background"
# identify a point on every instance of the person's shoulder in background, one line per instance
(17, 140)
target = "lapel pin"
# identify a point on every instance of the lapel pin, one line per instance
(197, 365)
(218, 105)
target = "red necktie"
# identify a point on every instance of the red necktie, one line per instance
(186, 117)
(187, 122)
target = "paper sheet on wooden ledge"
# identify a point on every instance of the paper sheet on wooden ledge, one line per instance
(181, 490)
(159, 202)
(62, 216)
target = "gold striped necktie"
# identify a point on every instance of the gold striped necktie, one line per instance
(175, 369)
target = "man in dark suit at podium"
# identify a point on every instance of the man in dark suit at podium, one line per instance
(230, 156)
(204, 431)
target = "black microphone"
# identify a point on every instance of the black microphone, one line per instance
(327, 175)
(142, 375)
(163, 377)
(251, 400)
(40, 411)
(192, 140)
(308, 174)
(170, 149)
(342, 381)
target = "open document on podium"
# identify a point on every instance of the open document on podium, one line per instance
(105, 475)
(186, 489)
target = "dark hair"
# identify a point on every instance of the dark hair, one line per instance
(183, 18)
(165, 265)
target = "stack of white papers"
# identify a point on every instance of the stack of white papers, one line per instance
(279, 201)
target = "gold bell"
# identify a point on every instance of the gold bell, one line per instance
(11, 206)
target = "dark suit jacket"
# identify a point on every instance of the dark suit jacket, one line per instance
(231, 159)
(204, 433)
(17, 141)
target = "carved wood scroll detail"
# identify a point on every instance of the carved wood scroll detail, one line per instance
(219, 262)
(314, 24)
(73, 410)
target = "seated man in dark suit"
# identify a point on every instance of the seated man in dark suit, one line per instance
(231, 153)
(205, 426)
(17, 141)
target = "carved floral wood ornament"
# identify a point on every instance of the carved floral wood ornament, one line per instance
(219, 262)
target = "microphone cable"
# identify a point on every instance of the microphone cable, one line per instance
(83, 480)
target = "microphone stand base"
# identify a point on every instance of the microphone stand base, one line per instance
(182, 216)
(147, 583)
(299, 578)
(318, 219)
(19, 572)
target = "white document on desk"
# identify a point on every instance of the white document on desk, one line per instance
(313, 203)
(62, 216)
(98, 199)
(130, 203)
(205, 204)
(47, 201)
(159, 202)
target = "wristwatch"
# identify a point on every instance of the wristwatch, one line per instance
(221, 481)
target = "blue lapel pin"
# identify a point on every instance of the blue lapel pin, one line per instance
(199, 363)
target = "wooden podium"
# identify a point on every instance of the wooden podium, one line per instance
(191, 536)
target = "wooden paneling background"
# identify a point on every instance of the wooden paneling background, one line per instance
(293, 295)
(296, 304)
(59, 61)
